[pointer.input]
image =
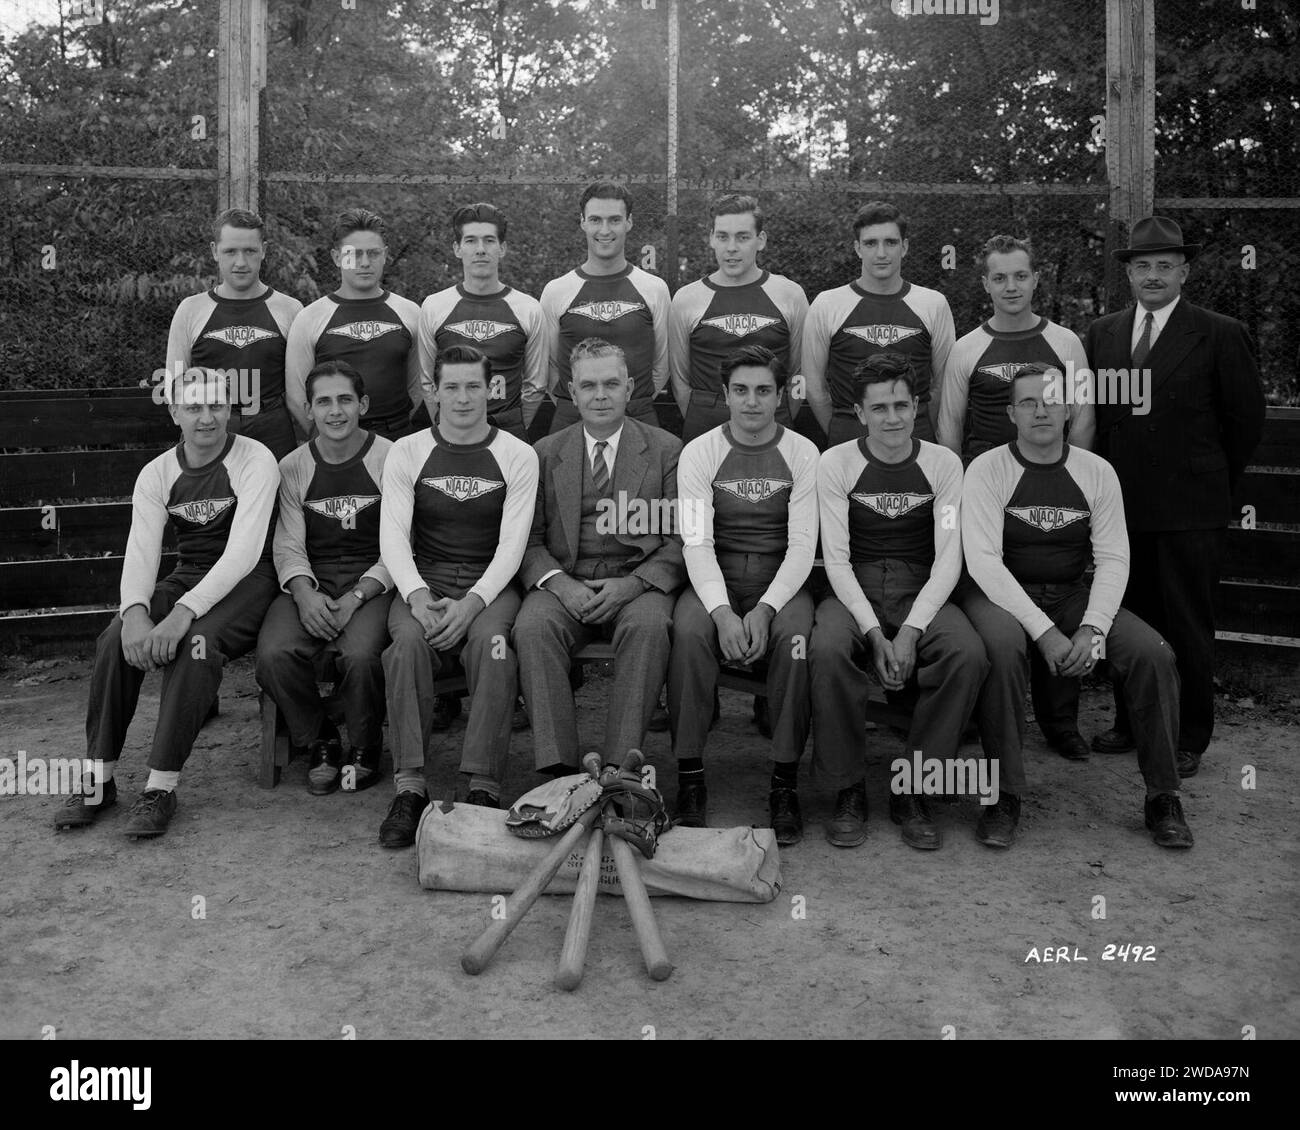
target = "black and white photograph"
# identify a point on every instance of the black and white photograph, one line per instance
(651, 520)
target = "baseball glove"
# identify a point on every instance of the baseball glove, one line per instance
(634, 812)
(550, 808)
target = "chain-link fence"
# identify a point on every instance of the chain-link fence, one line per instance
(975, 117)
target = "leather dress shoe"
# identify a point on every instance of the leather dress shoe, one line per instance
(323, 768)
(787, 820)
(847, 826)
(1189, 763)
(912, 814)
(1113, 741)
(998, 822)
(80, 808)
(398, 828)
(692, 809)
(364, 764)
(1164, 816)
(151, 813)
(1070, 745)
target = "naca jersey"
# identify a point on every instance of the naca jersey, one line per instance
(375, 335)
(328, 530)
(629, 309)
(220, 513)
(847, 325)
(977, 381)
(506, 327)
(708, 321)
(248, 335)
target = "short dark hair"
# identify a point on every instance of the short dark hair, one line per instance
(461, 355)
(237, 218)
(878, 212)
(1029, 369)
(1003, 245)
(604, 190)
(336, 369)
(480, 213)
(592, 348)
(734, 204)
(356, 219)
(753, 356)
(883, 368)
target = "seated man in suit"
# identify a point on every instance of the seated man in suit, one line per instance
(748, 491)
(1034, 513)
(891, 540)
(457, 506)
(218, 491)
(603, 559)
(336, 590)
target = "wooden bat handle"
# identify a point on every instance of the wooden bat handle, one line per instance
(483, 948)
(568, 976)
(638, 906)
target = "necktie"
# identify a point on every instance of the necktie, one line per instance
(1143, 346)
(599, 470)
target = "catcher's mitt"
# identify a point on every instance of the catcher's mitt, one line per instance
(552, 807)
(634, 812)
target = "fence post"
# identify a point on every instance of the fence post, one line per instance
(1130, 129)
(670, 223)
(241, 74)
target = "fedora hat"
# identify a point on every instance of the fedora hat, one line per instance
(1155, 233)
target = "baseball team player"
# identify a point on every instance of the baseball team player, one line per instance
(335, 590)
(739, 304)
(891, 541)
(609, 298)
(483, 312)
(1035, 512)
(603, 560)
(747, 491)
(878, 311)
(370, 328)
(241, 324)
(973, 419)
(456, 511)
(218, 492)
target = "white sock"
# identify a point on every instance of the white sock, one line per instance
(165, 779)
(411, 781)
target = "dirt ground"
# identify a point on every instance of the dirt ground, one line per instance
(311, 927)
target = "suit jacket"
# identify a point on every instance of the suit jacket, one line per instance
(646, 468)
(1178, 463)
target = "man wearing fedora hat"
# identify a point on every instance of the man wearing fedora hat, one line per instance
(1179, 448)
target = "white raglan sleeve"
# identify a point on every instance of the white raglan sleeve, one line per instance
(816, 351)
(1110, 548)
(289, 545)
(837, 471)
(802, 536)
(397, 504)
(519, 463)
(943, 469)
(956, 390)
(299, 357)
(144, 543)
(696, 467)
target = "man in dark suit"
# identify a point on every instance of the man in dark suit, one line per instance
(604, 559)
(1180, 409)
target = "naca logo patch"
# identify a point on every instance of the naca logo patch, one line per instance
(891, 504)
(1047, 518)
(607, 310)
(1003, 372)
(201, 511)
(740, 325)
(240, 336)
(463, 488)
(753, 490)
(480, 329)
(342, 506)
(365, 331)
(883, 334)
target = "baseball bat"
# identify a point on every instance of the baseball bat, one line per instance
(573, 957)
(483, 948)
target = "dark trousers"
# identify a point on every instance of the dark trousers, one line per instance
(695, 660)
(950, 668)
(189, 682)
(491, 671)
(1141, 663)
(1171, 582)
(286, 652)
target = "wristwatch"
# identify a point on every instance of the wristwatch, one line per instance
(360, 594)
